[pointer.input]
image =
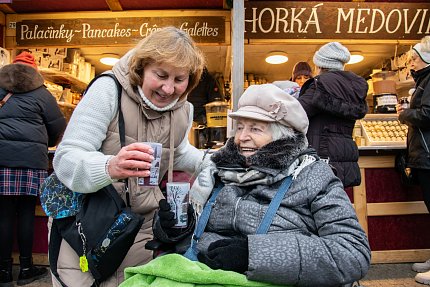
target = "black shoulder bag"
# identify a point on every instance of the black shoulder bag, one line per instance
(103, 230)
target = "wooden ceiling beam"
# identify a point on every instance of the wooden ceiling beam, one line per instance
(5, 8)
(114, 5)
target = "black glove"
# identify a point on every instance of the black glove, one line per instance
(165, 235)
(167, 217)
(227, 254)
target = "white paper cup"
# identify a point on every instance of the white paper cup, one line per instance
(177, 197)
(155, 166)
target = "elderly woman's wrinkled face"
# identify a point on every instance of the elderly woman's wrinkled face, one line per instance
(415, 62)
(163, 83)
(251, 135)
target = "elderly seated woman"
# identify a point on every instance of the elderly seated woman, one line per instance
(313, 237)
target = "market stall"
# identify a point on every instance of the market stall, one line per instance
(393, 215)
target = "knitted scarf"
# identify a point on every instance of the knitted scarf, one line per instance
(271, 163)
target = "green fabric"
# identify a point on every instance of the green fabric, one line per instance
(174, 270)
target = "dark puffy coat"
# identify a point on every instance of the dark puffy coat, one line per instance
(418, 117)
(30, 121)
(333, 102)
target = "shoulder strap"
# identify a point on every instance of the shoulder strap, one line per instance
(4, 100)
(267, 219)
(191, 252)
(203, 219)
(273, 207)
(121, 124)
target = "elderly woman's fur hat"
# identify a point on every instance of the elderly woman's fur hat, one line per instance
(269, 103)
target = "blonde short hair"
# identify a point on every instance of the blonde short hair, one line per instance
(168, 45)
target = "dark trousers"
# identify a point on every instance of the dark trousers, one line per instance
(17, 210)
(423, 176)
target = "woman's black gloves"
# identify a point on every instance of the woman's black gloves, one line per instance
(165, 235)
(227, 254)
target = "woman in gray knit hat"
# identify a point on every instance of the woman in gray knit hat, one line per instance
(333, 101)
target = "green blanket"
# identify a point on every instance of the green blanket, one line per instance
(174, 270)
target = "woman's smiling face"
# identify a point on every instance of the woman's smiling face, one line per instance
(164, 83)
(251, 135)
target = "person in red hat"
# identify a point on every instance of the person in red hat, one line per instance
(25, 58)
(30, 121)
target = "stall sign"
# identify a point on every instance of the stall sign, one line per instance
(111, 31)
(336, 20)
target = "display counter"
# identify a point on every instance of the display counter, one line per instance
(393, 215)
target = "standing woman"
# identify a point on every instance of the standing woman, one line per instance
(302, 72)
(333, 100)
(156, 77)
(417, 117)
(30, 122)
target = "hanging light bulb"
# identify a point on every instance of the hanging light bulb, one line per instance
(276, 58)
(356, 57)
(109, 59)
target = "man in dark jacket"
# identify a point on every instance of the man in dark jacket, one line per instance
(333, 101)
(30, 121)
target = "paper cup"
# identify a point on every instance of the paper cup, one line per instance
(155, 166)
(177, 197)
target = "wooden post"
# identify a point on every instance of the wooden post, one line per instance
(237, 44)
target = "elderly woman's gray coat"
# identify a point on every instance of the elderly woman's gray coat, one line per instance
(315, 238)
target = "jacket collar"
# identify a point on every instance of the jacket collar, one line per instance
(277, 155)
(420, 74)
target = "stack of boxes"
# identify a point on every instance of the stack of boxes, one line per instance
(67, 60)
(51, 58)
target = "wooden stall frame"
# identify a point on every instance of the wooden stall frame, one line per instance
(364, 210)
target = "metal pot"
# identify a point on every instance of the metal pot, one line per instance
(197, 136)
(216, 114)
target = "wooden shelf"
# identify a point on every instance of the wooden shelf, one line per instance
(67, 105)
(405, 84)
(62, 78)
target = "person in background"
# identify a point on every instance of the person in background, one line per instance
(156, 77)
(333, 100)
(417, 117)
(30, 122)
(314, 238)
(205, 92)
(302, 72)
